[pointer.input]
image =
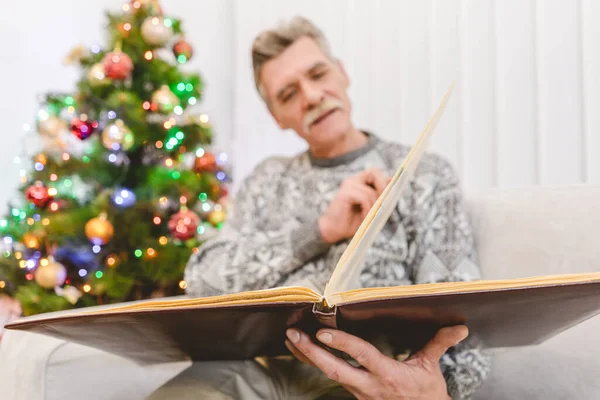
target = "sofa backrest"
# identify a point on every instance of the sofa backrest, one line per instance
(537, 230)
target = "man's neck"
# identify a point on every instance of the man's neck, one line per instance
(351, 141)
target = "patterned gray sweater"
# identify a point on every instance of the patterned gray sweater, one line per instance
(272, 238)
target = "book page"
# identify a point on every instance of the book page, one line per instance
(461, 287)
(347, 271)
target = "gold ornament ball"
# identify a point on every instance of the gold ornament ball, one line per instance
(31, 241)
(164, 99)
(51, 274)
(216, 217)
(51, 126)
(99, 230)
(117, 136)
(96, 75)
(155, 32)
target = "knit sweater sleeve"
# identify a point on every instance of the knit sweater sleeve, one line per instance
(444, 250)
(255, 249)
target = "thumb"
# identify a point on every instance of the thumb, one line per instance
(442, 341)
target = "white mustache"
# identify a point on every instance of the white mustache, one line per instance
(325, 106)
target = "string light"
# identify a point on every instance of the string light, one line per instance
(44, 262)
(125, 7)
(53, 177)
(204, 118)
(127, 26)
(45, 222)
(29, 276)
(192, 101)
(178, 110)
(54, 206)
(200, 152)
(149, 55)
(138, 253)
(163, 240)
(151, 252)
(22, 264)
(18, 255)
(157, 220)
(111, 261)
(30, 221)
(183, 284)
(202, 196)
(146, 105)
(87, 288)
(82, 272)
(169, 162)
(99, 274)
(66, 157)
(159, 144)
(2, 284)
(52, 191)
(136, 4)
(183, 200)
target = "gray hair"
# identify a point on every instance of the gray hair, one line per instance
(271, 43)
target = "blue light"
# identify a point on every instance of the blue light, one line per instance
(82, 273)
(96, 249)
(124, 198)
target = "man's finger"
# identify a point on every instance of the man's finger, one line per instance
(442, 341)
(362, 195)
(333, 367)
(297, 353)
(363, 352)
(375, 178)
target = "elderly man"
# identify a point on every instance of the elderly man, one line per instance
(292, 220)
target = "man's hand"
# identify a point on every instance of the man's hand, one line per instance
(350, 206)
(419, 377)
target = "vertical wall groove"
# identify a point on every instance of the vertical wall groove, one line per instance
(539, 159)
(494, 115)
(460, 100)
(585, 140)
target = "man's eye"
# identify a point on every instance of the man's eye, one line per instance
(319, 75)
(288, 96)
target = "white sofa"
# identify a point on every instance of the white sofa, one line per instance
(520, 232)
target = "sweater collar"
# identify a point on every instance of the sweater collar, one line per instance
(346, 158)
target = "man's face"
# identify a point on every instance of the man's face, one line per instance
(306, 92)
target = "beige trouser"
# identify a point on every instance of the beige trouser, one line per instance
(281, 378)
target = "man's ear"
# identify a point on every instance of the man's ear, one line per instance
(343, 71)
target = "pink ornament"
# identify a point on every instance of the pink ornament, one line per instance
(117, 65)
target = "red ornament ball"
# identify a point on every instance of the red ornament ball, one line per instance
(183, 224)
(83, 128)
(117, 65)
(183, 48)
(206, 163)
(38, 194)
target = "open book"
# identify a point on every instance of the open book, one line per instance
(251, 324)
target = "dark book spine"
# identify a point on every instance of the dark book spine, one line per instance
(325, 315)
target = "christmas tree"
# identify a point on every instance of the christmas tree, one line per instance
(125, 185)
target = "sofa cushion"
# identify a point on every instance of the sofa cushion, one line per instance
(541, 231)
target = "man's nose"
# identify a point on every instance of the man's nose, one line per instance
(313, 95)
